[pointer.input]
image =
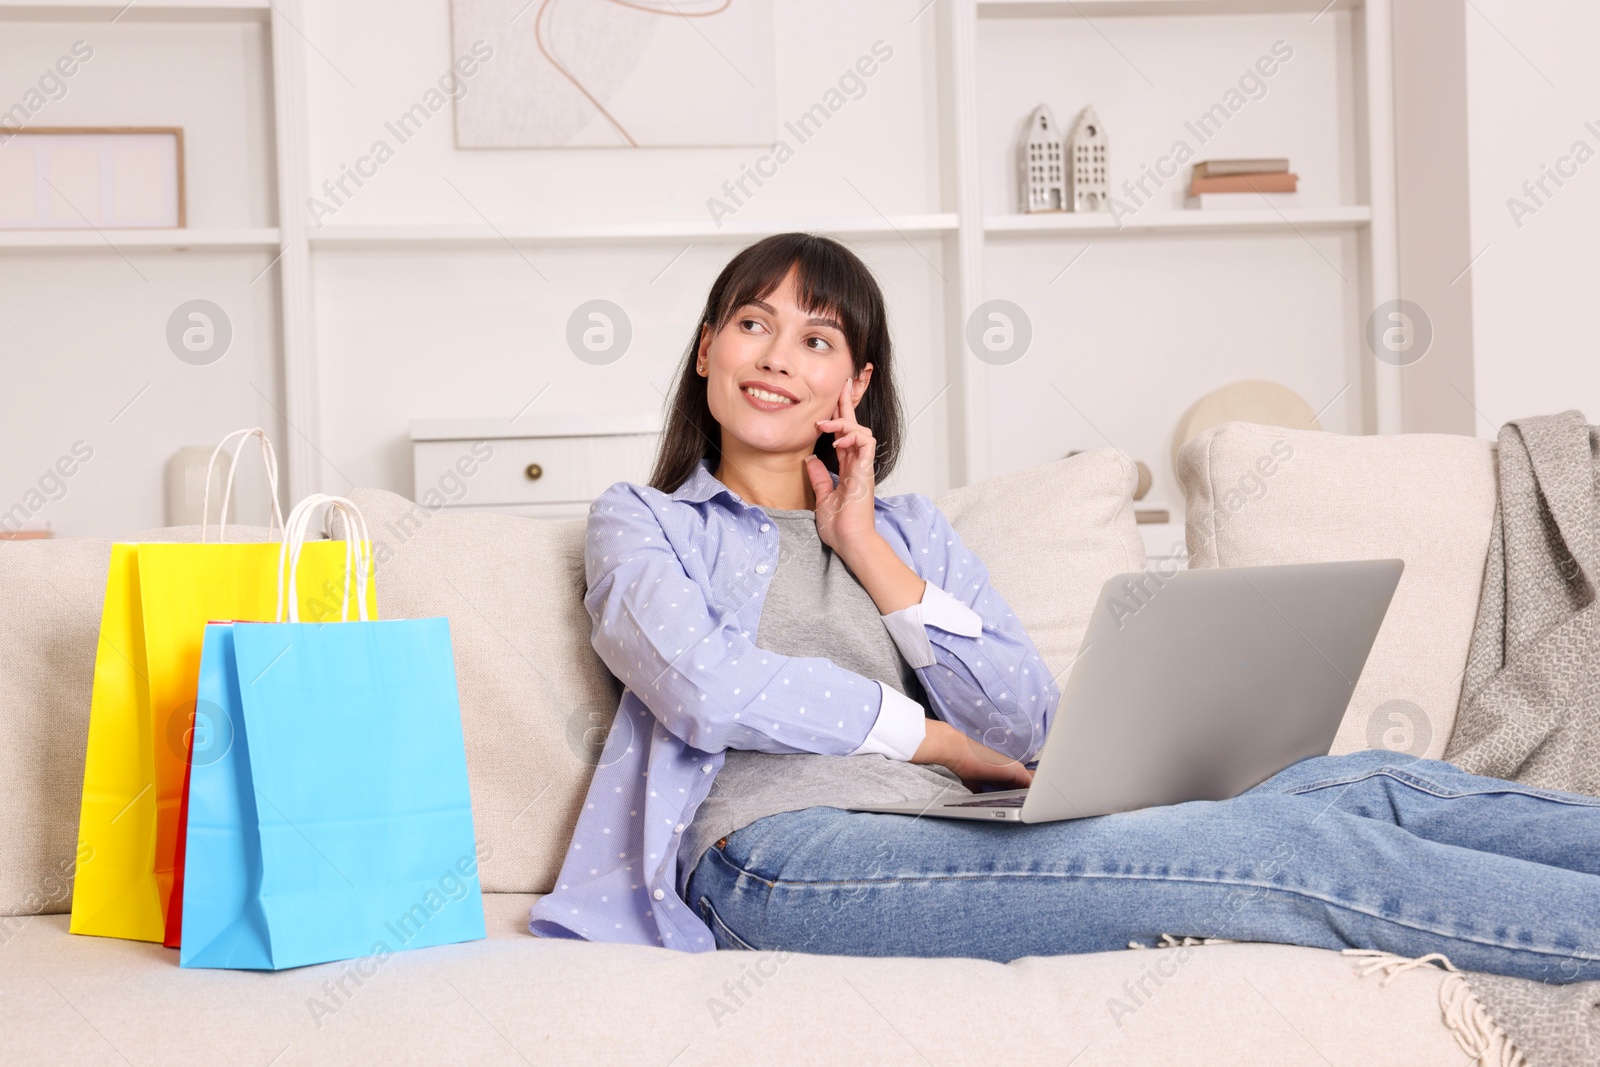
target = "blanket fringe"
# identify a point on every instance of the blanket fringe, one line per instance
(1474, 1028)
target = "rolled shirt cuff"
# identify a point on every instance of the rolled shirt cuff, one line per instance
(901, 726)
(909, 626)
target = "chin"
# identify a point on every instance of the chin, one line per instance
(764, 437)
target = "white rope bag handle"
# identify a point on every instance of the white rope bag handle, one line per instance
(294, 542)
(356, 556)
(269, 457)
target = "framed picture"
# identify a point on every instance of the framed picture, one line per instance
(92, 177)
(630, 74)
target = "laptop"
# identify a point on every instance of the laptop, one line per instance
(1196, 686)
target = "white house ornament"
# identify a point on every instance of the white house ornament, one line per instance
(1086, 147)
(1041, 170)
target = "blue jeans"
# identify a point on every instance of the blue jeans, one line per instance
(1371, 849)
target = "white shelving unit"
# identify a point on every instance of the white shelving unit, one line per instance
(971, 232)
(736, 230)
(161, 11)
(1114, 8)
(287, 92)
(1182, 222)
(151, 240)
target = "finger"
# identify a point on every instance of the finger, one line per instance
(855, 432)
(865, 451)
(847, 403)
(821, 482)
(844, 421)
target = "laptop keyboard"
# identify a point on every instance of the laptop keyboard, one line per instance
(991, 802)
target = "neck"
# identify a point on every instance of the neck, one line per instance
(768, 479)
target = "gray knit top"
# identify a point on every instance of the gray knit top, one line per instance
(815, 607)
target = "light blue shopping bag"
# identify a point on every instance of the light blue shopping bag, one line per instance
(329, 815)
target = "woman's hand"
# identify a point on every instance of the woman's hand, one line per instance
(970, 761)
(845, 513)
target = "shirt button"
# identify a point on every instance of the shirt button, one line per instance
(658, 894)
(761, 568)
(705, 768)
(678, 829)
(765, 527)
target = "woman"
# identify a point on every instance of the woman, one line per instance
(792, 644)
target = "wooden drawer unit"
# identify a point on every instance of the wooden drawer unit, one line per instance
(550, 467)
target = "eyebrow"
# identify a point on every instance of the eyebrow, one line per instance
(815, 320)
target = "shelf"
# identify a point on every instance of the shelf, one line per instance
(1141, 222)
(142, 240)
(156, 11)
(1026, 9)
(480, 235)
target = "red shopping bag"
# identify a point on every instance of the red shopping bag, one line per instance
(174, 936)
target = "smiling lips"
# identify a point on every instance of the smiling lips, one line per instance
(764, 399)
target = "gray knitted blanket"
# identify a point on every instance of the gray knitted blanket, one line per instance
(1530, 698)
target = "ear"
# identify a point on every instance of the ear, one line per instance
(700, 361)
(861, 383)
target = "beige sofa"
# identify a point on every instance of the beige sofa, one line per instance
(536, 700)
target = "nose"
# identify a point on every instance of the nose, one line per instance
(774, 360)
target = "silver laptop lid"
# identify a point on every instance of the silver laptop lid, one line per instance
(1203, 683)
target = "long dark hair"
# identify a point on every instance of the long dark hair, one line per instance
(829, 279)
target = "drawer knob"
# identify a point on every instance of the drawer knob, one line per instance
(534, 471)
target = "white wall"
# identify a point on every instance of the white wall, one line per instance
(1532, 85)
(1434, 209)
(886, 142)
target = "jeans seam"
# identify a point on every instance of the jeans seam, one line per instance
(715, 920)
(1306, 894)
(1434, 789)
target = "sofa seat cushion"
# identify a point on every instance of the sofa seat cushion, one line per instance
(515, 998)
(1261, 495)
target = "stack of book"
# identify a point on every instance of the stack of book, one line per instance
(1241, 183)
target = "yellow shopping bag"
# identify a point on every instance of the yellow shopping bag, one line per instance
(159, 598)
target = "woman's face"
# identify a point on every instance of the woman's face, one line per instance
(798, 360)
